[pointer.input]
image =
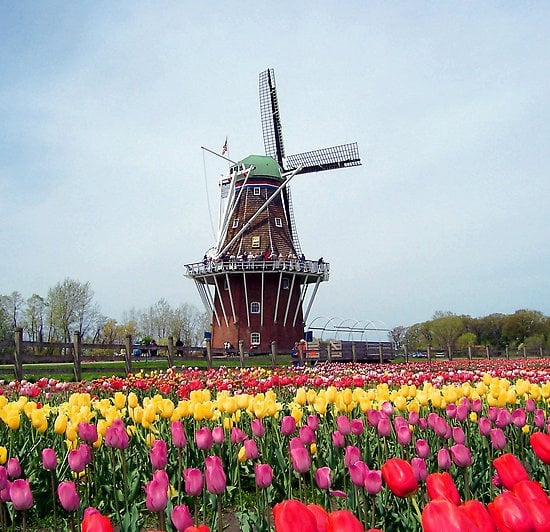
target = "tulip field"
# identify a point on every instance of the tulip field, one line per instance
(434, 446)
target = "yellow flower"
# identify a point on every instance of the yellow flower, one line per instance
(526, 429)
(313, 448)
(242, 454)
(132, 400)
(3, 455)
(119, 400)
(150, 439)
(473, 417)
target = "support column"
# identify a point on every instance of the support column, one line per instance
(77, 356)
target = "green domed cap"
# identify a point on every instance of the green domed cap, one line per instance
(263, 166)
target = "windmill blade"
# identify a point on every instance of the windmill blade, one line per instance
(343, 156)
(269, 113)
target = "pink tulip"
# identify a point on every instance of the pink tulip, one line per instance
(450, 411)
(530, 405)
(504, 418)
(343, 424)
(461, 455)
(218, 435)
(264, 475)
(462, 412)
(21, 495)
(357, 472)
(492, 413)
(419, 468)
(538, 418)
(14, 468)
(519, 417)
(68, 496)
(458, 435)
(498, 438)
(116, 435)
(443, 459)
(288, 425)
(159, 454)
(384, 427)
(179, 438)
(301, 460)
(387, 408)
(238, 435)
(422, 448)
(49, 458)
(373, 417)
(306, 434)
(352, 454)
(477, 406)
(78, 459)
(484, 426)
(87, 432)
(295, 443)
(215, 475)
(323, 478)
(357, 427)
(181, 517)
(414, 417)
(5, 492)
(404, 435)
(156, 494)
(203, 438)
(338, 439)
(373, 481)
(193, 481)
(313, 422)
(3, 477)
(257, 427)
(251, 449)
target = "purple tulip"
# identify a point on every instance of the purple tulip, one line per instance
(443, 459)
(179, 438)
(323, 478)
(87, 432)
(373, 481)
(193, 481)
(218, 435)
(258, 428)
(343, 424)
(461, 455)
(358, 472)
(68, 496)
(181, 517)
(422, 448)
(419, 468)
(264, 475)
(215, 475)
(49, 458)
(159, 454)
(14, 468)
(301, 460)
(21, 495)
(288, 425)
(498, 438)
(203, 438)
(251, 449)
(338, 439)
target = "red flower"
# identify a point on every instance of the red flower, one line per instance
(529, 490)
(540, 441)
(510, 514)
(200, 528)
(510, 470)
(95, 522)
(343, 521)
(398, 474)
(479, 515)
(442, 514)
(442, 486)
(290, 514)
(321, 516)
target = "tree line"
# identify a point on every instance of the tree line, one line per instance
(448, 332)
(69, 307)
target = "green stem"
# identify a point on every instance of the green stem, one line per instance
(467, 494)
(414, 502)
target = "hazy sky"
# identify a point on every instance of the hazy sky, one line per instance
(104, 107)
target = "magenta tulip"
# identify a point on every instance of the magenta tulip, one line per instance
(14, 468)
(238, 435)
(21, 495)
(498, 438)
(159, 454)
(343, 424)
(443, 459)
(352, 454)
(156, 494)
(218, 435)
(203, 439)
(3, 477)
(373, 417)
(384, 427)
(193, 481)
(179, 438)
(357, 427)
(458, 435)
(420, 469)
(251, 449)
(306, 434)
(301, 460)
(264, 475)
(87, 432)
(484, 426)
(338, 439)
(215, 475)
(313, 422)
(373, 481)
(404, 435)
(288, 425)
(49, 458)
(323, 478)
(77, 459)
(68, 496)
(257, 427)
(461, 455)
(422, 448)
(519, 417)
(116, 435)
(181, 517)
(357, 472)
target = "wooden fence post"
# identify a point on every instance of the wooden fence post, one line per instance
(469, 352)
(18, 354)
(77, 356)
(241, 353)
(406, 351)
(429, 353)
(329, 351)
(128, 355)
(488, 352)
(208, 353)
(170, 351)
(380, 356)
(353, 352)
(274, 354)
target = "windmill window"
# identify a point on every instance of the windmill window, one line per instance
(255, 241)
(286, 283)
(256, 191)
(255, 338)
(254, 307)
(235, 223)
(278, 222)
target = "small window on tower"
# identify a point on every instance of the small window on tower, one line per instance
(256, 191)
(255, 241)
(235, 223)
(255, 339)
(278, 222)
(286, 283)
(254, 307)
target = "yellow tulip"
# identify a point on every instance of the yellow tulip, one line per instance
(60, 424)
(313, 448)
(241, 456)
(132, 400)
(119, 400)
(3, 455)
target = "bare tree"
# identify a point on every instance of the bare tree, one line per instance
(34, 315)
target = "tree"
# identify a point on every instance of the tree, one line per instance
(34, 317)
(6, 330)
(465, 340)
(398, 336)
(445, 332)
(522, 324)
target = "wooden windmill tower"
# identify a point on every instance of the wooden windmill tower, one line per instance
(255, 282)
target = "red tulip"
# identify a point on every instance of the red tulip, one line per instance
(95, 522)
(540, 442)
(68, 496)
(479, 515)
(442, 514)
(529, 490)
(510, 514)
(398, 474)
(321, 516)
(510, 470)
(200, 528)
(442, 486)
(292, 514)
(540, 513)
(21, 495)
(343, 520)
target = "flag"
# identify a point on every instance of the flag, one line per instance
(224, 149)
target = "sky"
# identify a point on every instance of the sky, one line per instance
(104, 108)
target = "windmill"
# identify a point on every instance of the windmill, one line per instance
(256, 282)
